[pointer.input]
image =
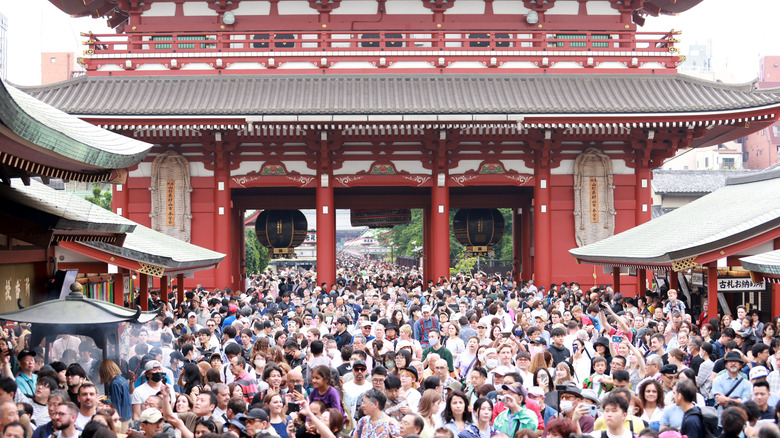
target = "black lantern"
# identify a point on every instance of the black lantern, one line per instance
(281, 231)
(478, 229)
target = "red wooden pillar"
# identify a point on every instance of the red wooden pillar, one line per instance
(616, 279)
(440, 227)
(222, 223)
(525, 241)
(326, 230)
(674, 281)
(164, 282)
(542, 226)
(120, 199)
(143, 297)
(119, 288)
(712, 289)
(426, 244)
(644, 202)
(775, 290)
(179, 289)
(242, 251)
(517, 243)
(235, 243)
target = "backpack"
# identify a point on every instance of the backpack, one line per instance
(709, 420)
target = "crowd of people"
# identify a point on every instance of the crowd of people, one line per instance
(384, 354)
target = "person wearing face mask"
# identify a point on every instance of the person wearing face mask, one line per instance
(154, 383)
(570, 406)
(435, 346)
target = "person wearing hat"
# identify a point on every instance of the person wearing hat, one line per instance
(257, 421)
(668, 377)
(355, 388)
(423, 327)
(343, 337)
(732, 385)
(27, 379)
(154, 383)
(151, 422)
(517, 416)
(571, 405)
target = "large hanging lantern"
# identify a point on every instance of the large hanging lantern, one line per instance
(380, 218)
(479, 229)
(281, 231)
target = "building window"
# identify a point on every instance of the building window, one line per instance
(706, 162)
(728, 163)
(53, 60)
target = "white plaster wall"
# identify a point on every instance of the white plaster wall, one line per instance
(760, 249)
(69, 256)
(467, 7)
(144, 170)
(406, 7)
(296, 7)
(300, 167)
(564, 8)
(464, 166)
(600, 7)
(517, 166)
(199, 169)
(246, 167)
(160, 9)
(509, 7)
(353, 167)
(356, 7)
(198, 9)
(413, 167)
(252, 7)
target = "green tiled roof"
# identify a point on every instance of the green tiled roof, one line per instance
(65, 135)
(766, 263)
(141, 244)
(746, 207)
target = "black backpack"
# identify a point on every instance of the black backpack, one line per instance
(709, 420)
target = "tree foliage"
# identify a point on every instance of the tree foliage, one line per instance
(256, 254)
(406, 237)
(100, 197)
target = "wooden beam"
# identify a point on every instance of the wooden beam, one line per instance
(22, 256)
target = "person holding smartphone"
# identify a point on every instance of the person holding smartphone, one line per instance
(571, 406)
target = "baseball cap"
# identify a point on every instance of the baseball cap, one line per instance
(517, 388)
(482, 324)
(536, 391)
(256, 414)
(191, 315)
(151, 415)
(342, 320)
(366, 323)
(502, 370)
(669, 369)
(151, 365)
(591, 395)
(426, 308)
(359, 363)
(758, 372)
(25, 353)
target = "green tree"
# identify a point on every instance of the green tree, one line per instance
(256, 254)
(100, 197)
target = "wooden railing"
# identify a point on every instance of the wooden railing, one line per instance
(440, 49)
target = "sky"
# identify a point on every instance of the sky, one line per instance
(37, 26)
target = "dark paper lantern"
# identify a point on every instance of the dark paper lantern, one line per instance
(281, 231)
(478, 229)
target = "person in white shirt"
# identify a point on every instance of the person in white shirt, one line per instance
(615, 413)
(355, 388)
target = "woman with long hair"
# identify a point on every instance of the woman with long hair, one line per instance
(429, 410)
(651, 394)
(563, 374)
(398, 318)
(277, 417)
(580, 360)
(725, 321)
(322, 389)
(118, 390)
(454, 343)
(262, 345)
(403, 359)
(191, 378)
(483, 418)
(540, 360)
(184, 403)
(456, 416)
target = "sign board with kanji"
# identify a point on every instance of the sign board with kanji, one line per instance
(739, 284)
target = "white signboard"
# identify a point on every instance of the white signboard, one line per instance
(740, 284)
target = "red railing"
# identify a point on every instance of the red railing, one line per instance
(382, 49)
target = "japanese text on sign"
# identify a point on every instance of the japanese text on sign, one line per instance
(739, 284)
(594, 200)
(170, 203)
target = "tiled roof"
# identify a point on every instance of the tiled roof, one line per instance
(766, 263)
(69, 212)
(141, 243)
(246, 95)
(692, 181)
(64, 135)
(730, 214)
(89, 311)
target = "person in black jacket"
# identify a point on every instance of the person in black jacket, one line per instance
(558, 351)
